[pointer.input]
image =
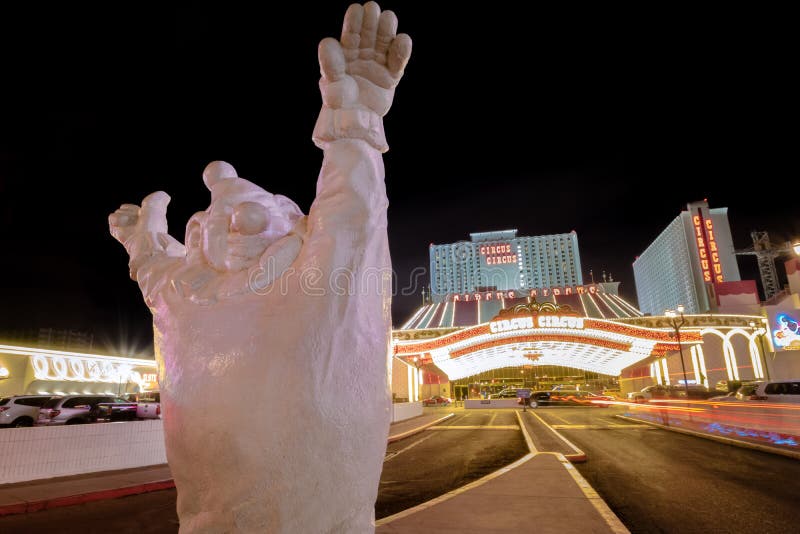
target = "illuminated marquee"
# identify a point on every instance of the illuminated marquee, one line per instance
(78, 369)
(498, 254)
(86, 369)
(707, 249)
(541, 321)
(536, 292)
(81, 367)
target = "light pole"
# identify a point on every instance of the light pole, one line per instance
(760, 333)
(673, 317)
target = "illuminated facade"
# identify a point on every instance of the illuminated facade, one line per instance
(589, 331)
(31, 370)
(693, 254)
(504, 261)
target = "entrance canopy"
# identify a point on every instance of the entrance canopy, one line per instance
(514, 340)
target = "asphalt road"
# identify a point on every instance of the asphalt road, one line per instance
(471, 445)
(661, 481)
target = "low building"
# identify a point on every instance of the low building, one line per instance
(32, 370)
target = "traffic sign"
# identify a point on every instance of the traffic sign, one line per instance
(524, 393)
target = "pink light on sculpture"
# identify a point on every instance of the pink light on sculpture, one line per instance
(238, 322)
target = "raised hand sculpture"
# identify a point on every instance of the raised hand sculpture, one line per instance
(272, 328)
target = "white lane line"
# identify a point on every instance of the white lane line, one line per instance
(600, 427)
(401, 451)
(474, 427)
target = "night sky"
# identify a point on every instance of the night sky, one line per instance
(605, 122)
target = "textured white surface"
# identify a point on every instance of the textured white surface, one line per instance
(272, 329)
(46, 452)
(405, 410)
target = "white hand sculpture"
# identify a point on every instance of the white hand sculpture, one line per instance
(271, 328)
(359, 76)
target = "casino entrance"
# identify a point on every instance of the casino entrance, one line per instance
(535, 377)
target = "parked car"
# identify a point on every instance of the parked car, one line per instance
(659, 391)
(21, 410)
(149, 406)
(566, 397)
(504, 394)
(779, 391)
(656, 391)
(437, 400)
(71, 409)
(115, 410)
(744, 393)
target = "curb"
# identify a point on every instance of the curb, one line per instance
(721, 439)
(70, 500)
(578, 456)
(398, 437)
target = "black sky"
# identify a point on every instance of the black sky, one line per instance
(509, 116)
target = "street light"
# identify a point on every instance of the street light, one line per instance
(760, 333)
(673, 317)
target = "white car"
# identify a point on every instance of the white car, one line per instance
(21, 410)
(780, 391)
(656, 391)
(149, 406)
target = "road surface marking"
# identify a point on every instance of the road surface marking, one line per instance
(474, 427)
(389, 456)
(600, 427)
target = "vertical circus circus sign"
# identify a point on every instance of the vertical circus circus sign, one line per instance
(497, 254)
(707, 249)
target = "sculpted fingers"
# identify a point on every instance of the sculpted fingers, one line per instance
(369, 30)
(331, 59)
(398, 55)
(387, 29)
(351, 31)
(154, 212)
(126, 215)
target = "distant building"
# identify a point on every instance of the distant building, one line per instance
(504, 261)
(684, 264)
(59, 338)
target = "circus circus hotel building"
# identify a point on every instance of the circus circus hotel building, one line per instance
(507, 311)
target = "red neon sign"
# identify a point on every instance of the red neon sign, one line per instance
(536, 292)
(498, 254)
(707, 249)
